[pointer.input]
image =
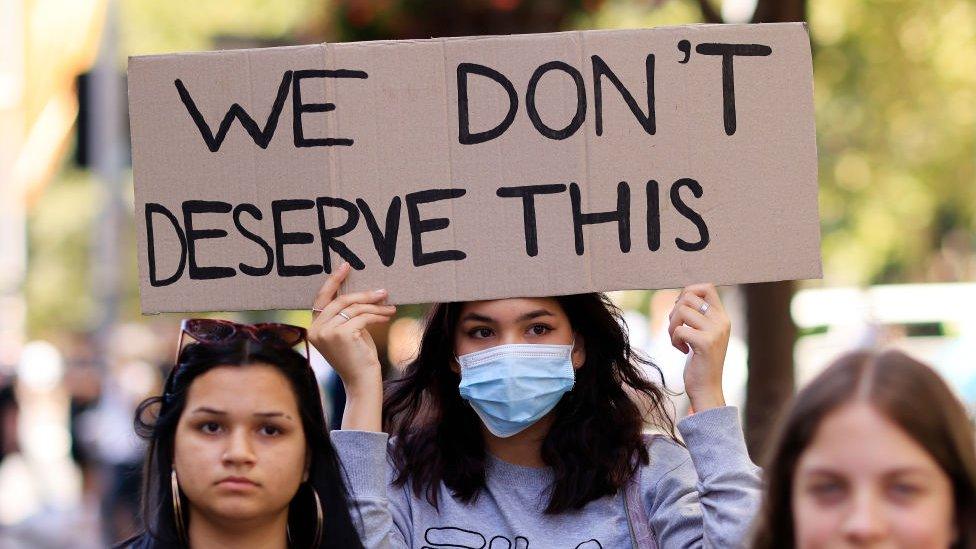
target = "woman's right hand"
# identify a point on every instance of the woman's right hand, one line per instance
(345, 343)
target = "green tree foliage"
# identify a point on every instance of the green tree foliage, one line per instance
(57, 288)
(152, 26)
(895, 88)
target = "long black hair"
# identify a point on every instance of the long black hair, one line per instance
(157, 418)
(594, 445)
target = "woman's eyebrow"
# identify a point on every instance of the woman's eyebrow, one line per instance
(208, 410)
(527, 316)
(908, 470)
(820, 471)
(534, 314)
(272, 414)
(214, 411)
(477, 317)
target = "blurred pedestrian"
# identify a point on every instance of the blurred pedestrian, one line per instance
(83, 381)
(118, 450)
(8, 416)
(238, 451)
(876, 451)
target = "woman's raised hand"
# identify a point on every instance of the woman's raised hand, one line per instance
(699, 324)
(339, 332)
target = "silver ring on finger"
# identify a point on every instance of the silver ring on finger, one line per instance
(314, 310)
(703, 308)
(344, 315)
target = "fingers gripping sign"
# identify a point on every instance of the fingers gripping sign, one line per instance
(338, 331)
(701, 328)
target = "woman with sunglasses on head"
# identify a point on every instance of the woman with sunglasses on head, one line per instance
(238, 452)
(874, 452)
(519, 425)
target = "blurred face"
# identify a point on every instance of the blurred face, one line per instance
(863, 482)
(485, 324)
(240, 451)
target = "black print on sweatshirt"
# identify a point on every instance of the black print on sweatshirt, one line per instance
(459, 538)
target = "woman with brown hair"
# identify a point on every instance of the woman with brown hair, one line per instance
(876, 451)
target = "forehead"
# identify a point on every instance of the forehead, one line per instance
(243, 389)
(858, 439)
(510, 309)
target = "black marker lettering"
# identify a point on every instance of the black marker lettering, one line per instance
(653, 217)
(151, 208)
(601, 69)
(728, 52)
(261, 137)
(690, 214)
(330, 236)
(278, 208)
(268, 252)
(465, 137)
(299, 108)
(684, 47)
(385, 242)
(190, 208)
(580, 115)
(527, 194)
(420, 226)
(621, 216)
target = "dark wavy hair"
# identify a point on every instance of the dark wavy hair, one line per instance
(594, 445)
(157, 418)
(900, 388)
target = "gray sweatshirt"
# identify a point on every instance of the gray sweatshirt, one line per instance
(702, 496)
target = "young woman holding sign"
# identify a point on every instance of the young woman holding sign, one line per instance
(519, 425)
(875, 452)
(238, 452)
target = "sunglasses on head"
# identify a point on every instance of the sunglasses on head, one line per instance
(212, 331)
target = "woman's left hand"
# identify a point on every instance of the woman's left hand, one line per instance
(699, 325)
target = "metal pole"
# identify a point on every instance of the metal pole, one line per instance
(107, 161)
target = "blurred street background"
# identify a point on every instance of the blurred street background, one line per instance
(895, 92)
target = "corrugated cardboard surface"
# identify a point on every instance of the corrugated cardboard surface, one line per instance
(759, 185)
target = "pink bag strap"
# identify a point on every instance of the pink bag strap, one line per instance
(642, 533)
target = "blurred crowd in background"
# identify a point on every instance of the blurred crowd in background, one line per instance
(895, 96)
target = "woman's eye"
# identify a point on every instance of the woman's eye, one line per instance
(904, 490)
(210, 427)
(539, 329)
(270, 430)
(480, 333)
(826, 491)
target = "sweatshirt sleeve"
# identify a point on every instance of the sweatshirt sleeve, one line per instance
(379, 509)
(707, 495)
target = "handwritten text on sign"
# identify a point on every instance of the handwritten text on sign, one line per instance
(526, 165)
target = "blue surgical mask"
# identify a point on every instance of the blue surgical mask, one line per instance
(512, 386)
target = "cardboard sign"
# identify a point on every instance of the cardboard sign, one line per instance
(475, 168)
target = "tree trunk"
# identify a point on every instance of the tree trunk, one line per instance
(780, 11)
(771, 332)
(771, 335)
